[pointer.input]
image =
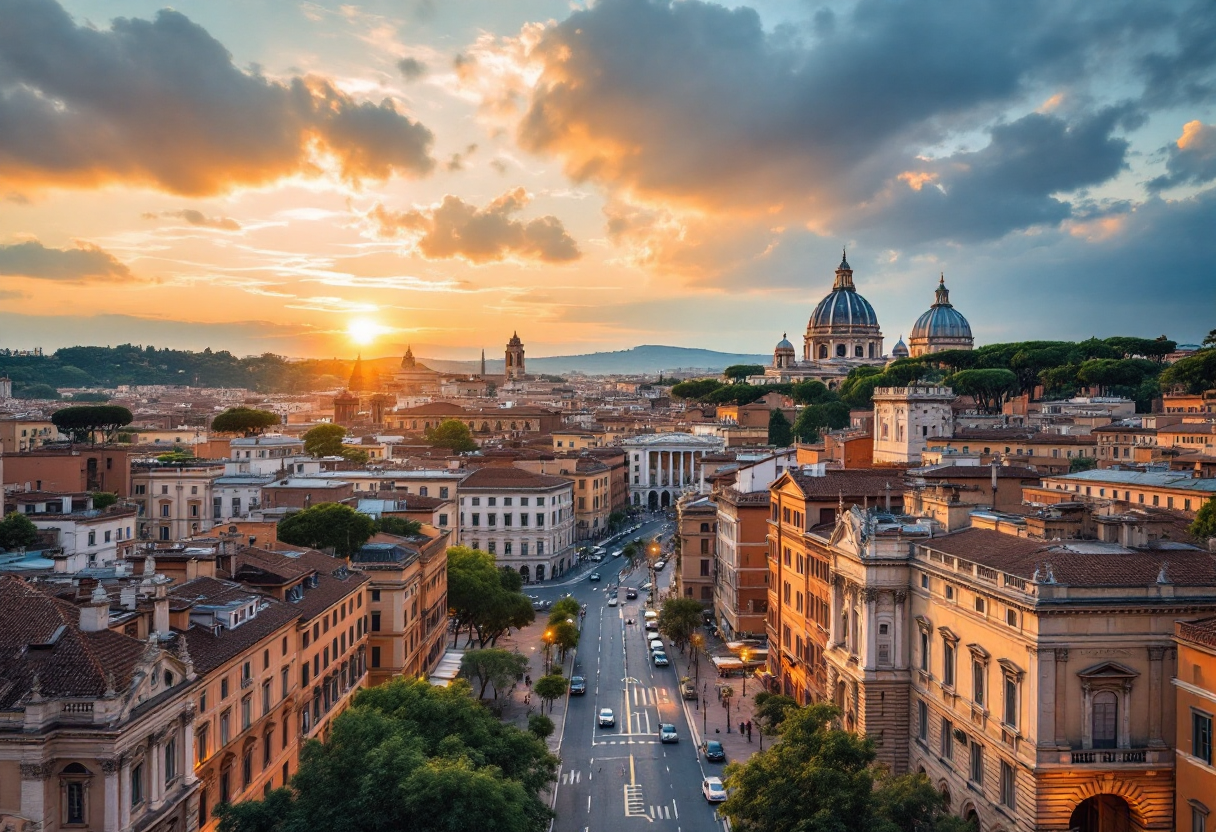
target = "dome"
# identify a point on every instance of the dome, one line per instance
(844, 309)
(784, 344)
(900, 350)
(942, 320)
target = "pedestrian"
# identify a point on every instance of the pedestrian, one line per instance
(749, 730)
(742, 728)
(528, 680)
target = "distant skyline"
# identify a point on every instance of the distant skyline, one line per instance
(321, 180)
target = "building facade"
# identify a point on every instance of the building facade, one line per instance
(697, 548)
(175, 500)
(907, 420)
(1195, 692)
(524, 519)
(515, 368)
(662, 466)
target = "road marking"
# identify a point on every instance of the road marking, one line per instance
(635, 803)
(675, 809)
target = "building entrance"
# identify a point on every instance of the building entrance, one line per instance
(1101, 813)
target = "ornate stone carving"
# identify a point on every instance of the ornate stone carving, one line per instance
(900, 596)
(109, 765)
(871, 595)
(1156, 653)
(1062, 654)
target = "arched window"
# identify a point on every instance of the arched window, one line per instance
(841, 351)
(871, 349)
(1105, 719)
(823, 350)
(859, 351)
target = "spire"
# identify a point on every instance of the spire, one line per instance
(355, 383)
(407, 361)
(943, 294)
(483, 362)
(844, 273)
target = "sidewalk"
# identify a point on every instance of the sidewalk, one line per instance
(711, 723)
(515, 708)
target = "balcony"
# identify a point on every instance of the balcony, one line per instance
(1118, 756)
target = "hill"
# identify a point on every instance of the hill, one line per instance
(648, 358)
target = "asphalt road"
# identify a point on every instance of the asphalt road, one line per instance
(613, 778)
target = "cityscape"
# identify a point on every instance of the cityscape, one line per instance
(583, 416)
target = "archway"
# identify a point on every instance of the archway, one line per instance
(971, 818)
(524, 573)
(637, 499)
(540, 571)
(1102, 813)
(665, 500)
(652, 500)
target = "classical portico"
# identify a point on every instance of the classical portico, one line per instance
(665, 465)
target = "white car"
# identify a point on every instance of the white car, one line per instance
(607, 718)
(656, 645)
(713, 789)
(612, 601)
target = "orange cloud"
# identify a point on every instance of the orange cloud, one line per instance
(1192, 132)
(917, 180)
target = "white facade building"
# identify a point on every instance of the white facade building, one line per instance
(175, 501)
(525, 520)
(907, 419)
(662, 466)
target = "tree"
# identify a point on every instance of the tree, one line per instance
(81, 422)
(738, 372)
(772, 708)
(540, 726)
(562, 609)
(616, 519)
(551, 687)
(911, 803)
(1209, 340)
(328, 525)
(1193, 374)
(493, 666)
(695, 389)
(1082, 463)
(409, 755)
(399, 526)
(1154, 349)
(483, 598)
(780, 431)
(1105, 373)
(812, 419)
(453, 434)
(679, 619)
(99, 398)
(989, 388)
(103, 499)
(811, 392)
(324, 440)
(1204, 525)
(36, 391)
(17, 530)
(565, 636)
(246, 420)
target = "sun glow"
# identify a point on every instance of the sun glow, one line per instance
(364, 330)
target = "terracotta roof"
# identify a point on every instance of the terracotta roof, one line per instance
(1080, 562)
(850, 482)
(1020, 472)
(431, 409)
(503, 477)
(41, 636)
(209, 650)
(265, 568)
(335, 581)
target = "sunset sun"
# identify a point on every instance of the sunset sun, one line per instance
(364, 330)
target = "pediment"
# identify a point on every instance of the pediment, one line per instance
(1107, 671)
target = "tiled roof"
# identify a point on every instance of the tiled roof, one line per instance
(335, 581)
(1078, 563)
(503, 477)
(263, 567)
(41, 636)
(850, 482)
(209, 650)
(1143, 479)
(1020, 472)
(431, 409)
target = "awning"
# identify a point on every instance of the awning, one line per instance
(447, 669)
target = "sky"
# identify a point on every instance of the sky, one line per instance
(316, 179)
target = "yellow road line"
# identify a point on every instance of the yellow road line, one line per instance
(633, 780)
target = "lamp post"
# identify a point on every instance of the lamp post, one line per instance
(704, 716)
(745, 654)
(698, 641)
(548, 639)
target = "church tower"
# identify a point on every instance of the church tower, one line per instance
(357, 383)
(515, 359)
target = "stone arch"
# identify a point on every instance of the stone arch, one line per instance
(970, 814)
(540, 571)
(498, 426)
(525, 573)
(665, 499)
(513, 427)
(1130, 792)
(944, 788)
(823, 350)
(637, 499)
(652, 500)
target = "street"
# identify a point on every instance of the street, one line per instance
(624, 772)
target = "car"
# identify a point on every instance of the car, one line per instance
(688, 690)
(659, 564)
(667, 733)
(617, 553)
(608, 719)
(612, 601)
(578, 686)
(646, 587)
(597, 558)
(630, 594)
(538, 605)
(713, 752)
(652, 625)
(594, 576)
(650, 615)
(656, 643)
(713, 789)
(660, 660)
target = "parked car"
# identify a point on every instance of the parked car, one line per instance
(612, 601)
(712, 749)
(713, 789)
(656, 644)
(652, 625)
(660, 660)
(659, 564)
(667, 733)
(608, 719)
(594, 576)
(578, 686)
(630, 594)
(597, 558)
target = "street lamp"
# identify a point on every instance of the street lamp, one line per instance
(548, 639)
(745, 654)
(698, 641)
(704, 716)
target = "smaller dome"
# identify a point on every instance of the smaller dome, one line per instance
(783, 345)
(900, 350)
(942, 320)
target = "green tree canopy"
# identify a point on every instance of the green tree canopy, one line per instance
(989, 388)
(780, 431)
(1204, 525)
(772, 708)
(244, 420)
(399, 526)
(815, 418)
(738, 372)
(17, 530)
(679, 618)
(35, 391)
(810, 392)
(1105, 373)
(493, 666)
(328, 525)
(409, 755)
(1154, 349)
(540, 726)
(695, 389)
(103, 499)
(483, 598)
(564, 608)
(82, 422)
(565, 635)
(99, 398)
(1193, 374)
(324, 440)
(551, 687)
(453, 434)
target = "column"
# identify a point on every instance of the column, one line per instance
(1062, 695)
(652, 464)
(683, 455)
(1125, 727)
(1155, 655)
(1087, 716)
(33, 792)
(1046, 671)
(834, 634)
(109, 767)
(154, 778)
(901, 631)
(871, 632)
(124, 792)
(188, 745)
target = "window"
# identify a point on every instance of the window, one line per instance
(247, 769)
(947, 740)
(924, 650)
(266, 749)
(947, 663)
(375, 622)
(1008, 786)
(977, 763)
(922, 720)
(978, 694)
(286, 682)
(924, 581)
(1011, 618)
(375, 656)
(170, 759)
(1105, 709)
(1011, 701)
(980, 605)
(200, 742)
(1201, 736)
(246, 712)
(266, 698)
(225, 727)
(224, 688)
(1199, 817)
(137, 784)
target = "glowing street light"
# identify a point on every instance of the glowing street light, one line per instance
(745, 654)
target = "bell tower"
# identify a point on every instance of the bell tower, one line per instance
(515, 359)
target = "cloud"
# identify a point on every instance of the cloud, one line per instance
(160, 103)
(455, 228)
(457, 160)
(411, 68)
(1190, 160)
(72, 265)
(198, 218)
(12, 294)
(1187, 74)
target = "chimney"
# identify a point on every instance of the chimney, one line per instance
(160, 611)
(95, 615)
(128, 596)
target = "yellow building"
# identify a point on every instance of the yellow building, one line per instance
(696, 545)
(1195, 688)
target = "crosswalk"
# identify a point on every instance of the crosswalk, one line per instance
(652, 696)
(660, 812)
(635, 802)
(630, 741)
(572, 777)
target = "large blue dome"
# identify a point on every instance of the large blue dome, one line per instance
(844, 307)
(941, 322)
